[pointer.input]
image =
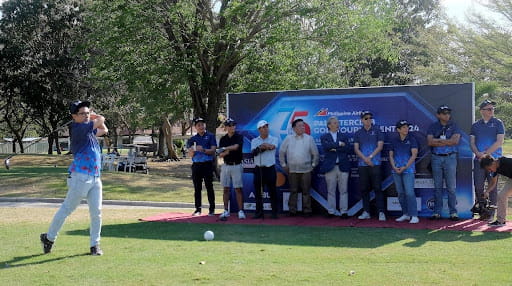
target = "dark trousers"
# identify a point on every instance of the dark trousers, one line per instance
(369, 178)
(265, 176)
(203, 171)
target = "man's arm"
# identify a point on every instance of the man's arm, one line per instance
(500, 139)
(99, 123)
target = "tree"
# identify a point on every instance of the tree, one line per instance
(42, 37)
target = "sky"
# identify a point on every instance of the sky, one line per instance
(458, 9)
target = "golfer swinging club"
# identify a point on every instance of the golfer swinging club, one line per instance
(84, 175)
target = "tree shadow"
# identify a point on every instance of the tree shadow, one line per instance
(354, 237)
(15, 262)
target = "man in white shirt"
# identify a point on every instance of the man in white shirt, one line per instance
(298, 155)
(263, 149)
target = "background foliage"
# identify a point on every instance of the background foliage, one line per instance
(150, 63)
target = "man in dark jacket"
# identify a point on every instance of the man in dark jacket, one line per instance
(336, 167)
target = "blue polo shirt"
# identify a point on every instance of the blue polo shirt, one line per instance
(86, 149)
(368, 140)
(207, 141)
(402, 151)
(437, 130)
(485, 134)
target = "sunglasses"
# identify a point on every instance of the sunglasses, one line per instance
(367, 118)
(83, 113)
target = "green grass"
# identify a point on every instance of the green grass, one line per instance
(141, 253)
(50, 182)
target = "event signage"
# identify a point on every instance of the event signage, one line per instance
(416, 104)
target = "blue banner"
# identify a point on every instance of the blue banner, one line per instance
(416, 104)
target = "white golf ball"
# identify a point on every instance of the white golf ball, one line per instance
(208, 235)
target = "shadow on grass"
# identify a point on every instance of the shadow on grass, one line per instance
(291, 235)
(18, 261)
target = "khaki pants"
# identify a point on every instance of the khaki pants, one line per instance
(302, 181)
(503, 195)
(337, 179)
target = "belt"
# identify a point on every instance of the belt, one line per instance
(231, 163)
(444, 155)
(265, 166)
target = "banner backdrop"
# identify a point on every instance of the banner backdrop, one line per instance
(416, 104)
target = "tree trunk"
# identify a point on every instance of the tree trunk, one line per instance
(57, 144)
(50, 144)
(161, 142)
(167, 130)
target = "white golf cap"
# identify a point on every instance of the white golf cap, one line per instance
(261, 123)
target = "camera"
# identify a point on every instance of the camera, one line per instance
(483, 209)
(220, 150)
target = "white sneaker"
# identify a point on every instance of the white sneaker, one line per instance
(414, 219)
(224, 215)
(364, 215)
(241, 214)
(337, 213)
(382, 216)
(403, 218)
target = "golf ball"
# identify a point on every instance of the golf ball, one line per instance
(208, 235)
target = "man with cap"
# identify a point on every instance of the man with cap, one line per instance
(486, 138)
(230, 149)
(263, 148)
(443, 137)
(403, 152)
(298, 155)
(336, 167)
(84, 175)
(368, 143)
(201, 147)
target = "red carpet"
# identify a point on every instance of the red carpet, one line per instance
(425, 223)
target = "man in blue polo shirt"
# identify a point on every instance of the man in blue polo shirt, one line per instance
(84, 175)
(402, 156)
(201, 147)
(368, 143)
(487, 137)
(443, 137)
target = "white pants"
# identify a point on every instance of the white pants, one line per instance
(335, 178)
(80, 186)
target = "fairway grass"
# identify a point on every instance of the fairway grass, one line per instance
(144, 253)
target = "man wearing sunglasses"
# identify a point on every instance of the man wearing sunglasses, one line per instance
(443, 137)
(368, 143)
(486, 138)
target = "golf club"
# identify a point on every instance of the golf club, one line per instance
(7, 161)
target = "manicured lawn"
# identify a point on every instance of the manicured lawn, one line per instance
(45, 176)
(142, 253)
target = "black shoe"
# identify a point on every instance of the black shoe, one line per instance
(344, 216)
(454, 217)
(496, 223)
(308, 215)
(258, 216)
(47, 244)
(96, 250)
(292, 214)
(274, 216)
(435, 217)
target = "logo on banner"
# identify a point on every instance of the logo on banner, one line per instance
(322, 112)
(431, 204)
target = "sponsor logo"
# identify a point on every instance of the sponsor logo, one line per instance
(431, 204)
(322, 112)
